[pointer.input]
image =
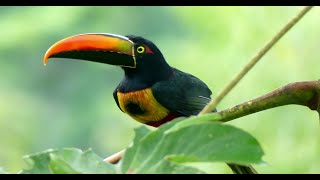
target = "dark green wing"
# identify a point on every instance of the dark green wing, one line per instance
(183, 93)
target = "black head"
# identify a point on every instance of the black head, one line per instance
(150, 63)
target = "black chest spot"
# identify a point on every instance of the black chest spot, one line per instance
(134, 109)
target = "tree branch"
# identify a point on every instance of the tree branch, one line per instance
(301, 93)
(115, 158)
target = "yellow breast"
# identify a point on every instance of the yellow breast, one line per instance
(142, 106)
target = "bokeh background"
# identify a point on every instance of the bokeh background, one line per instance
(70, 103)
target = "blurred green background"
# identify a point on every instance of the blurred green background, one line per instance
(70, 103)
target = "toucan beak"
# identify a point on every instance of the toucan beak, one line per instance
(104, 48)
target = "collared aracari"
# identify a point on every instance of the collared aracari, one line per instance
(151, 92)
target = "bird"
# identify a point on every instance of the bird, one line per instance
(151, 91)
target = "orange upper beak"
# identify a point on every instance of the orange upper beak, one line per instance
(104, 48)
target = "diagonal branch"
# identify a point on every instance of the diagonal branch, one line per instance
(305, 93)
(115, 158)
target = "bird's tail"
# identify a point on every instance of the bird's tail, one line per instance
(241, 169)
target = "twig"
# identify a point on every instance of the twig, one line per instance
(300, 93)
(214, 102)
(115, 158)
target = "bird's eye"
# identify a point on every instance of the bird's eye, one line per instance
(140, 49)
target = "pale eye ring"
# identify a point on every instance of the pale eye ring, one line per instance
(140, 49)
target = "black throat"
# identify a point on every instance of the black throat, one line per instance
(145, 75)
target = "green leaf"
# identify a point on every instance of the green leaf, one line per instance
(133, 156)
(168, 167)
(38, 163)
(67, 161)
(140, 132)
(193, 120)
(195, 139)
(58, 166)
(165, 167)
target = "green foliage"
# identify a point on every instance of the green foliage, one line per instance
(66, 161)
(162, 151)
(201, 142)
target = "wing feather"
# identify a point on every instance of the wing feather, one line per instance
(183, 93)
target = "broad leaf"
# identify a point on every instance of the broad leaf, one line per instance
(66, 161)
(133, 156)
(169, 167)
(140, 132)
(191, 141)
(38, 163)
